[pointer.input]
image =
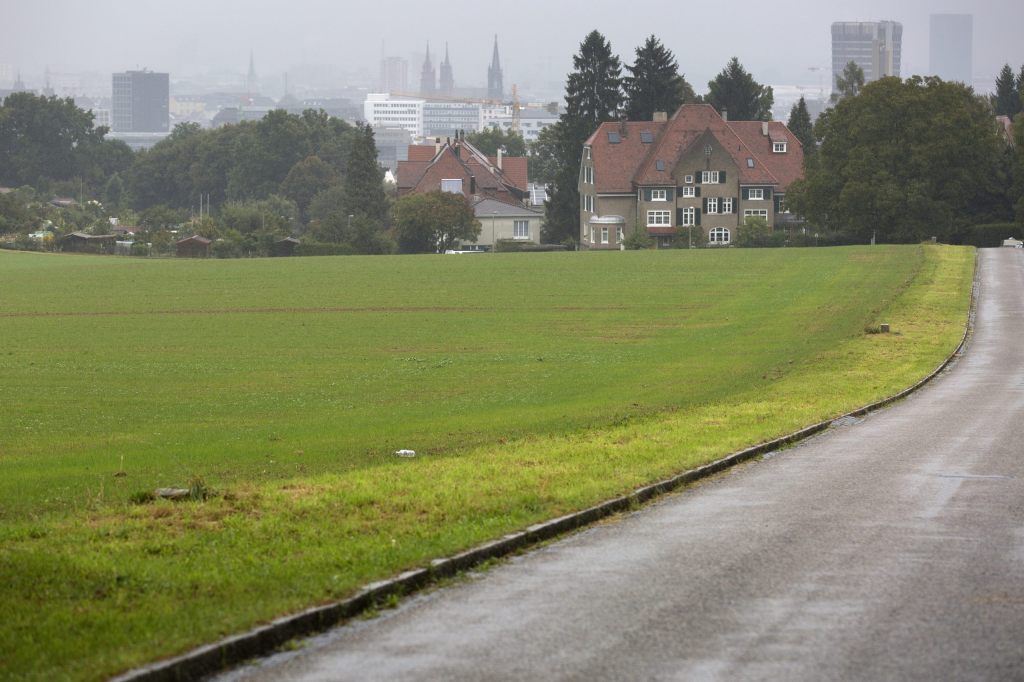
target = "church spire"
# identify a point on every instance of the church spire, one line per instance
(428, 77)
(251, 81)
(495, 89)
(447, 75)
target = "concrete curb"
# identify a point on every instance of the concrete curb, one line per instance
(264, 639)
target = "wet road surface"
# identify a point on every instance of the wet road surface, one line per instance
(887, 548)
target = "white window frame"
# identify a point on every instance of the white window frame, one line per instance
(588, 175)
(755, 194)
(604, 235)
(586, 153)
(688, 192)
(779, 147)
(755, 213)
(520, 229)
(451, 180)
(588, 203)
(688, 179)
(620, 234)
(659, 195)
(659, 219)
(689, 217)
(712, 206)
(709, 178)
(727, 205)
(719, 235)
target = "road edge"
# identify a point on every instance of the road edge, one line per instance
(264, 639)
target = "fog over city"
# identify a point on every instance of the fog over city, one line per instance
(779, 42)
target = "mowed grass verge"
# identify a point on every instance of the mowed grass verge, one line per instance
(530, 386)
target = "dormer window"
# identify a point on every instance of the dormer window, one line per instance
(779, 147)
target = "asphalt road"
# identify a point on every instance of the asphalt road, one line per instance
(887, 549)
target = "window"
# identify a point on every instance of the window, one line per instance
(727, 205)
(688, 179)
(755, 194)
(588, 175)
(779, 147)
(453, 186)
(750, 162)
(712, 205)
(689, 216)
(659, 218)
(659, 195)
(619, 235)
(588, 202)
(614, 138)
(659, 165)
(709, 177)
(646, 137)
(718, 235)
(688, 192)
(604, 235)
(586, 153)
(520, 229)
(756, 213)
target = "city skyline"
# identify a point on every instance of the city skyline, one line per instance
(537, 46)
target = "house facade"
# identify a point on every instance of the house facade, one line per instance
(694, 176)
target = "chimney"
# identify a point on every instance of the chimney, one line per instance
(499, 158)
(660, 116)
(725, 114)
(764, 128)
(437, 145)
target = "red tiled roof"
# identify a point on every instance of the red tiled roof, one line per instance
(422, 152)
(615, 164)
(787, 166)
(622, 166)
(514, 168)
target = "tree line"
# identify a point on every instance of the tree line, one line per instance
(597, 91)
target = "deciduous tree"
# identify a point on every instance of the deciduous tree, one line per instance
(901, 160)
(492, 138)
(433, 222)
(850, 83)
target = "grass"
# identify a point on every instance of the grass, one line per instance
(529, 386)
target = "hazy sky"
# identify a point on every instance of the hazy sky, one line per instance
(777, 41)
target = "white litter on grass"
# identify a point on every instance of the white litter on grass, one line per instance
(405, 453)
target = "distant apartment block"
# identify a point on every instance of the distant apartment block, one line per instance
(951, 47)
(394, 74)
(873, 45)
(381, 110)
(141, 102)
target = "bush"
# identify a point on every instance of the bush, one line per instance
(988, 235)
(638, 239)
(308, 248)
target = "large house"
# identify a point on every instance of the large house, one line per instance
(454, 165)
(674, 176)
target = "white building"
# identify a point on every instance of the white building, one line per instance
(386, 111)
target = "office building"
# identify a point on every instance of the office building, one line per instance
(141, 102)
(873, 45)
(951, 47)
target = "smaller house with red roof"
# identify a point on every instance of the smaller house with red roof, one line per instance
(455, 165)
(671, 177)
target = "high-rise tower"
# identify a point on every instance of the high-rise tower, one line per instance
(495, 89)
(428, 77)
(873, 45)
(950, 41)
(252, 86)
(447, 77)
(140, 102)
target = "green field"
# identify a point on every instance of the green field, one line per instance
(529, 385)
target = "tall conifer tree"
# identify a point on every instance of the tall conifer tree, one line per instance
(800, 125)
(364, 189)
(736, 90)
(654, 83)
(1007, 98)
(593, 95)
